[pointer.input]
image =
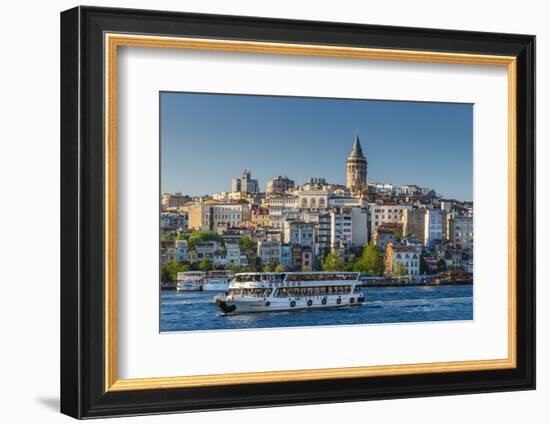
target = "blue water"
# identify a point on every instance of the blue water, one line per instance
(194, 311)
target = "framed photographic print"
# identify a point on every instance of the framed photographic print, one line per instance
(261, 212)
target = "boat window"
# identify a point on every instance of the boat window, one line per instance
(252, 277)
(305, 291)
(253, 292)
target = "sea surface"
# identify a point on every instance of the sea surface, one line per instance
(194, 311)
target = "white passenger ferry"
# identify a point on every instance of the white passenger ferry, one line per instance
(190, 281)
(217, 280)
(260, 292)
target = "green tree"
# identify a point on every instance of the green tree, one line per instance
(333, 262)
(371, 262)
(248, 248)
(280, 268)
(169, 271)
(350, 264)
(184, 267)
(235, 268)
(246, 243)
(205, 265)
(441, 265)
(267, 268)
(400, 269)
(165, 274)
(166, 237)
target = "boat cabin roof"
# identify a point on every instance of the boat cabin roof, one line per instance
(295, 276)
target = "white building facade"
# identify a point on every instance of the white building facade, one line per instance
(386, 213)
(461, 230)
(269, 251)
(210, 216)
(435, 226)
(297, 232)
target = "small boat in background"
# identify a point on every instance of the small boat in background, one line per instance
(168, 286)
(190, 281)
(217, 280)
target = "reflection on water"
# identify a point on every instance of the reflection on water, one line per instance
(192, 311)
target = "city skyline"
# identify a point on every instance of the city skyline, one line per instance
(302, 138)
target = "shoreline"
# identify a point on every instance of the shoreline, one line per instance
(386, 285)
(404, 284)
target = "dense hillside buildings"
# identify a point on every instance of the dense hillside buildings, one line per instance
(294, 227)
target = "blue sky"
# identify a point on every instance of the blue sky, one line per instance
(207, 139)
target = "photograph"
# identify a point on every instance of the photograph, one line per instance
(284, 211)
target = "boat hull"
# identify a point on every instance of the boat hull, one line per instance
(271, 304)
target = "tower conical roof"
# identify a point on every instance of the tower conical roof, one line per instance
(356, 151)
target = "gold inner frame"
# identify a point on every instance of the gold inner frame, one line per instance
(113, 41)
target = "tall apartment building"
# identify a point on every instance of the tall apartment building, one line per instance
(282, 207)
(435, 226)
(297, 232)
(279, 184)
(340, 227)
(461, 230)
(269, 251)
(245, 184)
(414, 223)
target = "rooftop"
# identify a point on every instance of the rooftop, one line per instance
(403, 248)
(356, 151)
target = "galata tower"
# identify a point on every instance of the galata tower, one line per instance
(356, 168)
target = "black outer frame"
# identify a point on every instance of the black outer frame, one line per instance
(82, 206)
